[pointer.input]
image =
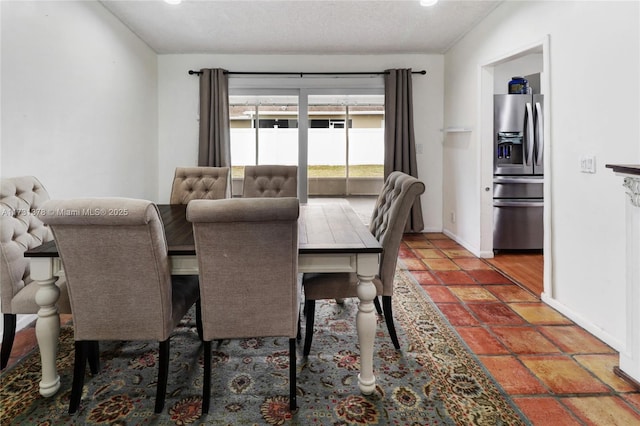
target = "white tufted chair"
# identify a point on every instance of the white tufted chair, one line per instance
(387, 225)
(270, 181)
(200, 183)
(21, 230)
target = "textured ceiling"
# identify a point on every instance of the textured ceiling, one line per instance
(300, 26)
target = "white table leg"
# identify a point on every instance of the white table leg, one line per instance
(367, 266)
(48, 322)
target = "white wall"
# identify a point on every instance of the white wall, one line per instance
(178, 108)
(592, 109)
(79, 102)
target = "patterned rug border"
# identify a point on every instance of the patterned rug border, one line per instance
(457, 381)
(452, 347)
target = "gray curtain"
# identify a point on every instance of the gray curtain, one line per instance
(399, 138)
(214, 147)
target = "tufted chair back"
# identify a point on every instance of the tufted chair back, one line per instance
(270, 181)
(200, 183)
(388, 221)
(21, 230)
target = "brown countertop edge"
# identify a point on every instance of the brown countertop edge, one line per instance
(632, 169)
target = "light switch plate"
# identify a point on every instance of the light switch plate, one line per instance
(588, 164)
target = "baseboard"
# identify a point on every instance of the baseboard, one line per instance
(592, 328)
(470, 247)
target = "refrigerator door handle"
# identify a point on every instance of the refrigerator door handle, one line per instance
(511, 179)
(513, 203)
(539, 134)
(529, 134)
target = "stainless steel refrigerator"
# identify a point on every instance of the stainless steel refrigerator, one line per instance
(518, 172)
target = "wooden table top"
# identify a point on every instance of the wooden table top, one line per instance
(323, 228)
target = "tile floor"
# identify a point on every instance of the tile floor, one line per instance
(556, 372)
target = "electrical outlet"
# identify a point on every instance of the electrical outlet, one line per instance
(588, 164)
(453, 217)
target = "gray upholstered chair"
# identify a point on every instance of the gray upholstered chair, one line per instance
(21, 230)
(200, 183)
(270, 181)
(248, 262)
(120, 286)
(387, 225)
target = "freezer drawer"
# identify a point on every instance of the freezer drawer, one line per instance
(518, 224)
(518, 187)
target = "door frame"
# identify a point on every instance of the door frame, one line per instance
(485, 147)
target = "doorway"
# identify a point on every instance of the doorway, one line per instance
(494, 77)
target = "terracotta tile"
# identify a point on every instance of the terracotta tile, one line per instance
(448, 244)
(539, 313)
(603, 410)
(429, 254)
(405, 252)
(512, 376)
(481, 341)
(633, 399)
(524, 340)
(419, 243)
(490, 277)
(440, 264)
(512, 293)
(454, 277)
(574, 339)
(562, 374)
(602, 366)
(457, 314)
(471, 264)
(458, 253)
(495, 313)
(414, 264)
(473, 294)
(435, 236)
(544, 411)
(440, 294)
(425, 278)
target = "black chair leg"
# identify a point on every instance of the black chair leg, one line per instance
(93, 355)
(310, 309)
(163, 375)
(206, 383)
(199, 318)
(376, 302)
(299, 335)
(293, 404)
(8, 335)
(79, 364)
(388, 318)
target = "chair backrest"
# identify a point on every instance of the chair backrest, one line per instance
(115, 258)
(270, 181)
(248, 262)
(200, 183)
(388, 221)
(20, 230)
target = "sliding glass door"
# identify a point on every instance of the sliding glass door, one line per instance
(334, 136)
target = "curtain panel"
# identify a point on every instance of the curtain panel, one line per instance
(399, 137)
(214, 148)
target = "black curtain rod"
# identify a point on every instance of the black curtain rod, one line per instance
(302, 74)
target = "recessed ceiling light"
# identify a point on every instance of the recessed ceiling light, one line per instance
(426, 3)
(173, 1)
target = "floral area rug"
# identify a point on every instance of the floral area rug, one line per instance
(433, 380)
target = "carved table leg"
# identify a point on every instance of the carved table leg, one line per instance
(366, 320)
(48, 322)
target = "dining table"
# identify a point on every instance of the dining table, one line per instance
(332, 238)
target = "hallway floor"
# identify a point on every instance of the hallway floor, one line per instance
(556, 372)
